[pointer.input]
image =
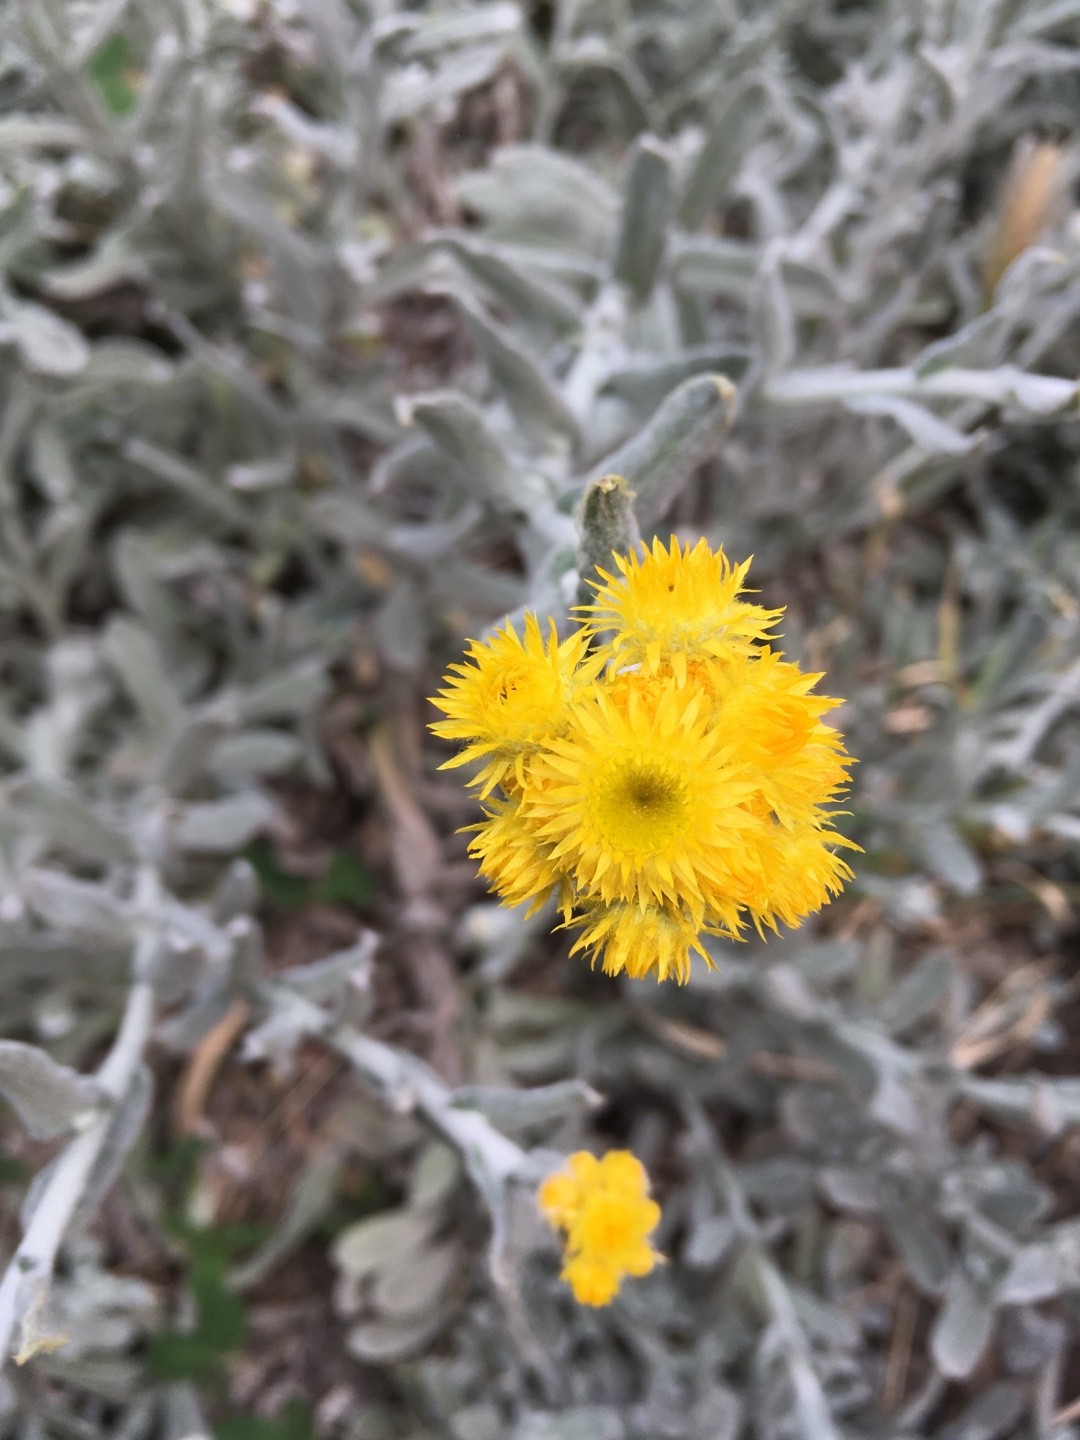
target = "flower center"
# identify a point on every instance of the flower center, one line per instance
(641, 804)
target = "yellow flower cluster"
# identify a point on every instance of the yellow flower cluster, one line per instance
(663, 772)
(603, 1209)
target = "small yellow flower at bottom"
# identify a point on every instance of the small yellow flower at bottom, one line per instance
(603, 1209)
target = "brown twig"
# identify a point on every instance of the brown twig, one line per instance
(903, 1336)
(202, 1067)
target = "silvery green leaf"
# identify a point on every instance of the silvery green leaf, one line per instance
(417, 1282)
(531, 394)
(642, 227)
(948, 856)
(714, 266)
(577, 1422)
(385, 1341)
(84, 910)
(922, 1246)
(852, 1189)
(437, 31)
(186, 751)
(349, 519)
(237, 892)
(323, 981)
(51, 462)
(118, 363)
(251, 753)
(686, 430)
(47, 344)
(511, 1110)
(531, 194)
(414, 88)
(717, 1414)
(173, 967)
(976, 345)
(592, 61)
(523, 289)
(962, 1328)
(401, 628)
(1036, 1274)
(269, 474)
(48, 1098)
(645, 380)
(921, 992)
(293, 691)
(366, 414)
(220, 827)
(125, 1124)
(134, 654)
(435, 1176)
(459, 428)
(213, 499)
(931, 434)
(72, 825)
(310, 1200)
(738, 117)
(109, 264)
(708, 1241)
(370, 1245)
(39, 132)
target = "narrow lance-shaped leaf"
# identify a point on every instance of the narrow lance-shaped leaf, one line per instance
(687, 430)
(646, 203)
(47, 1097)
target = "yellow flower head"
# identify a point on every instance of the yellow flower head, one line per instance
(603, 1209)
(673, 605)
(509, 697)
(644, 801)
(674, 780)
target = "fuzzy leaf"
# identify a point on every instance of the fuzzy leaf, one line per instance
(48, 1098)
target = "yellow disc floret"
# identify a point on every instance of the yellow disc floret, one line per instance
(643, 801)
(603, 1209)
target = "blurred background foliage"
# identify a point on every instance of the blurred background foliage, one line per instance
(318, 319)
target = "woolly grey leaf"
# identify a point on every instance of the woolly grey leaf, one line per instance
(645, 380)
(962, 1328)
(220, 827)
(1036, 1274)
(47, 344)
(535, 195)
(688, 429)
(578, 1422)
(710, 266)
(642, 228)
(77, 907)
(251, 753)
(134, 654)
(73, 826)
(512, 1110)
(48, 1098)
(370, 1245)
(933, 435)
(384, 1341)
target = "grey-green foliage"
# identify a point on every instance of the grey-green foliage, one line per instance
(278, 301)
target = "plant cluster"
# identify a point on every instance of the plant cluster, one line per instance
(324, 329)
